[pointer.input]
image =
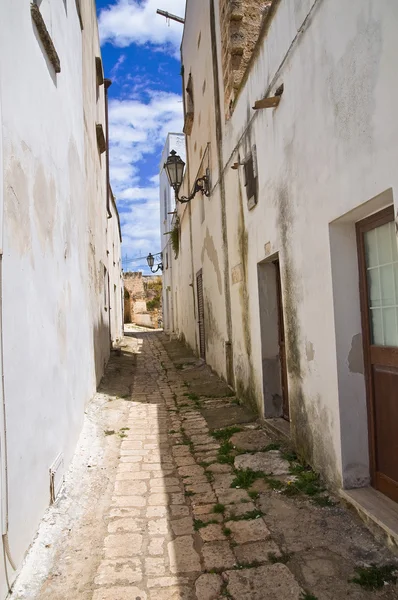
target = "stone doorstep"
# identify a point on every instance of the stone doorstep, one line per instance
(379, 513)
(278, 428)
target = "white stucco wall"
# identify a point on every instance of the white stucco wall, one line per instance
(201, 237)
(174, 141)
(115, 273)
(326, 157)
(55, 327)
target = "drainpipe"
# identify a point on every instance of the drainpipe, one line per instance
(107, 85)
(3, 419)
(229, 358)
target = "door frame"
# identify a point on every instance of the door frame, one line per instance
(201, 322)
(376, 220)
(282, 343)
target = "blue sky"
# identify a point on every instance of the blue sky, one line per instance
(140, 52)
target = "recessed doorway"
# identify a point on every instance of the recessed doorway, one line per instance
(273, 351)
(378, 278)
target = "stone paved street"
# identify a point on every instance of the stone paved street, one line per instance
(174, 515)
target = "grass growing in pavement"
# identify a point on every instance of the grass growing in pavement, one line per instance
(308, 596)
(272, 446)
(226, 433)
(227, 531)
(198, 524)
(244, 478)
(224, 453)
(109, 431)
(219, 509)
(374, 577)
(253, 494)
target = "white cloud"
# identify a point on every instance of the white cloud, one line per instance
(117, 66)
(138, 131)
(136, 22)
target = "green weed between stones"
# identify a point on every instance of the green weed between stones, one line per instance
(188, 493)
(253, 494)
(272, 446)
(198, 524)
(308, 596)
(109, 431)
(226, 433)
(284, 557)
(224, 453)
(219, 509)
(244, 478)
(374, 577)
(227, 531)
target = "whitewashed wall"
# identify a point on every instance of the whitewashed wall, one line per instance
(174, 141)
(326, 157)
(55, 326)
(116, 301)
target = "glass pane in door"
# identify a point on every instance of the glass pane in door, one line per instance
(382, 277)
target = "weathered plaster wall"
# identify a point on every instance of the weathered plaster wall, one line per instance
(316, 162)
(174, 141)
(55, 326)
(326, 157)
(116, 300)
(201, 226)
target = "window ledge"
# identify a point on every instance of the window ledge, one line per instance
(188, 123)
(45, 37)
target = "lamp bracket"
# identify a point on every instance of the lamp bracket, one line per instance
(202, 184)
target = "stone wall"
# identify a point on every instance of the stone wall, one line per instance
(240, 27)
(134, 284)
(139, 290)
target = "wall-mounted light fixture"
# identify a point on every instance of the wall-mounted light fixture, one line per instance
(151, 261)
(174, 167)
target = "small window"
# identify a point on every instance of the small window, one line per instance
(44, 35)
(79, 13)
(165, 204)
(251, 179)
(189, 107)
(105, 288)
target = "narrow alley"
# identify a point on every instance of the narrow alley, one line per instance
(177, 493)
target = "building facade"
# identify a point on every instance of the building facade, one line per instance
(286, 276)
(60, 253)
(176, 142)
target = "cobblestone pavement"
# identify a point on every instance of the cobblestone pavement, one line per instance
(186, 520)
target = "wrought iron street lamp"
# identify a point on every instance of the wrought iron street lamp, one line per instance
(151, 261)
(174, 167)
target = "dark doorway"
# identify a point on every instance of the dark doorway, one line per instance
(201, 314)
(275, 388)
(378, 278)
(282, 344)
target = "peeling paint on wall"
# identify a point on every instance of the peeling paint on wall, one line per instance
(45, 203)
(16, 207)
(355, 356)
(210, 249)
(309, 351)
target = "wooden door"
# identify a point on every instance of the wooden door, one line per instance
(378, 268)
(201, 315)
(282, 345)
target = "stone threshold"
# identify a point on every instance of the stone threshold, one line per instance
(379, 513)
(277, 427)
